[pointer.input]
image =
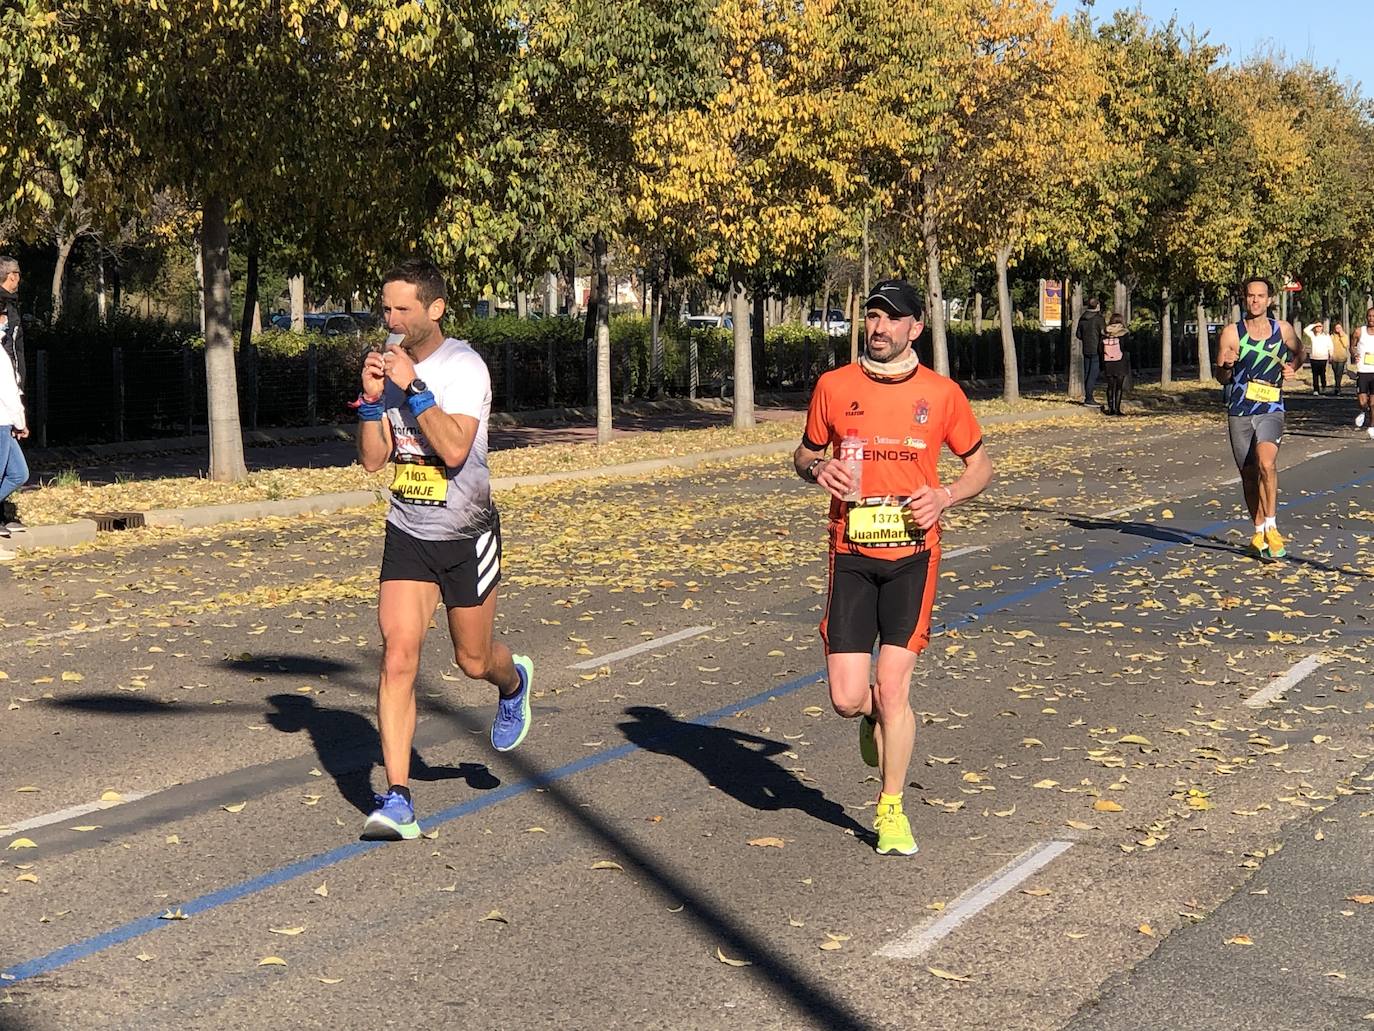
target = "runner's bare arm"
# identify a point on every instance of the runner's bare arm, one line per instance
(450, 436)
(830, 474)
(1298, 346)
(374, 437)
(929, 503)
(1228, 350)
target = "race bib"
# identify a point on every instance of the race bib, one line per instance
(882, 526)
(420, 480)
(1265, 392)
(1367, 359)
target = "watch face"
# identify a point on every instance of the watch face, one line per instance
(417, 386)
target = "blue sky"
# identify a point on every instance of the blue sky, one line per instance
(1335, 33)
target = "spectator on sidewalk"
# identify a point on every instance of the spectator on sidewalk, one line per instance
(1090, 329)
(1319, 353)
(1340, 354)
(1115, 364)
(14, 470)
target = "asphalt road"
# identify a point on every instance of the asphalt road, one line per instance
(1102, 817)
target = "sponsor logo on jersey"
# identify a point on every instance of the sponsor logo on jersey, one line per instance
(916, 442)
(854, 409)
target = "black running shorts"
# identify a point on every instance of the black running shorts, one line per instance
(884, 600)
(1364, 383)
(466, 570)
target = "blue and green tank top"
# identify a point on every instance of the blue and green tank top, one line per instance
(1257, 377)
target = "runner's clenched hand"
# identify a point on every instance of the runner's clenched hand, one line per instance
(374, 374)
(400, 369)
(927, 505)
(836, 478)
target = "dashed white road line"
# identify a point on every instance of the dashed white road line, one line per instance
(1300, 671)
(70, 813)
(642, 646)
(58, 635)
(974, 901)
(969, 550)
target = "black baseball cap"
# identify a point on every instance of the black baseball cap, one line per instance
(896, 297)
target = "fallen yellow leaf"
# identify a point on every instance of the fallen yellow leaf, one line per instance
(1240, 939)
(606, 864)
(271, 961)
(235, 808)
(1106, 805)
(21, 843)
(731, 962)
(767, 842)
(946, 975)
(291, 931)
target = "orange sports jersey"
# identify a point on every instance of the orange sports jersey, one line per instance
(903, 425)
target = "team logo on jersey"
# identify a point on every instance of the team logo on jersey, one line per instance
(920, 412)
(854, 409)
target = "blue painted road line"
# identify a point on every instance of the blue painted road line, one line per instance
(145, 925)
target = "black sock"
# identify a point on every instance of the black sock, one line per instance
(401, 790)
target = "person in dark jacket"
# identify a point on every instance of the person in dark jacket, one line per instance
(12, 344)
(1115, 364)
(1090, 328)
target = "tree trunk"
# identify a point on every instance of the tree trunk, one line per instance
(1076, 347)
(550, 294)
(603, 339)
(101, 301)
(744, 360)
(1204, 354)
(522, 304)
(59, 274)
(978, 308)
(1345, 310)
(1121, 299)
(247, 349)
(935, 299)
(1166, 339)
(570, 286)
(1011, 369)
(116, 287)
(297, 289)
(200, 284)
(759, 369)
(656, 340)
(226, 437)
(867, 282)
(852, 313)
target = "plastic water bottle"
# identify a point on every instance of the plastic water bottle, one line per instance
(851, 453)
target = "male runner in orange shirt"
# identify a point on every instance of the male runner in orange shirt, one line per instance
(885, 548)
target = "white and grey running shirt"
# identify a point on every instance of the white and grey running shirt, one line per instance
(429, 500)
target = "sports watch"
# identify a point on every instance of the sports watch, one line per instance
(417, 386)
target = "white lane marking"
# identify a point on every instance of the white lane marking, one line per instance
(1320, 454)
(1117, 512)
(1287, 682)
(642, 646)
(57, 635)
(975, 900)
(964, 551)
(70, 813)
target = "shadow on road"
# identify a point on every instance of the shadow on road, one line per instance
(737, 763)
(348, 747)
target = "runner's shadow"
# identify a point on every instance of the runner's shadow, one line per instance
(348, 747)
(737, 763)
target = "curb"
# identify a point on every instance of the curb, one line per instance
(84, 530)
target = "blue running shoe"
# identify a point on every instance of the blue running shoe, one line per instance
(392, 820)
(512, 721)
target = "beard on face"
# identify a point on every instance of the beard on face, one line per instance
(892, 355)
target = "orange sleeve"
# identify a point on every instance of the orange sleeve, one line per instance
(963, 435)
(817, 433)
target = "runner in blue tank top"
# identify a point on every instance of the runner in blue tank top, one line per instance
(1254, 359)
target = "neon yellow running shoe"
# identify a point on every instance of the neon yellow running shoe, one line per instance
(1259, 547)
(868, 744)
(1274, 540)
(894, 831)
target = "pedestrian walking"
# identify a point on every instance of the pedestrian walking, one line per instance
(1319, 354)
(1090, 329)
(885, 419)
(1115, 363)
(1340, 354)
(425, 406)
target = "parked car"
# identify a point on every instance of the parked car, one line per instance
(839, 325)
(330, 324)
(709, 322)
(1213, 328)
